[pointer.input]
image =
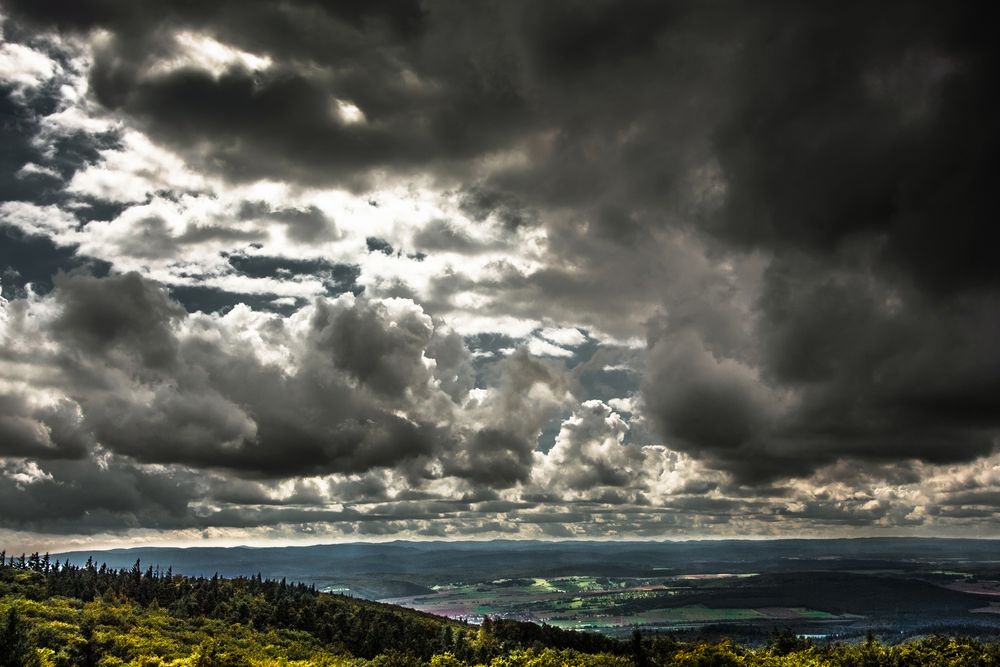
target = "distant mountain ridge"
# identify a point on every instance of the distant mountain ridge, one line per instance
(473, 560)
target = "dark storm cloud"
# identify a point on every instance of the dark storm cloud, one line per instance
(386, 359)
(82, 497)
(701, 405)
(796, 200)
(855, 149)
(872, 121)
(101, 315)
(153, 394)
(375, 244)
(367, 488)
(494, 457)
(481, 203)
(456, 85)
(280, 122)
(823, 122)
(41, 431)
(441, 236)
(75, 496)
(897, 366)
(848, 366)
(453, 366)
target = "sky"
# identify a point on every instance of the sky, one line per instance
(294, 271)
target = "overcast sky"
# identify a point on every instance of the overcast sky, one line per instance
(308, 271)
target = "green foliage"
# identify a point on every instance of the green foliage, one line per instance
(61, 615)
(16, 648)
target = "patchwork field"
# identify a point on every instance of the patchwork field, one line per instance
(743, 589)
(601, 603)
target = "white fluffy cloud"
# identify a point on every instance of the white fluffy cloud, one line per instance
(25, 67)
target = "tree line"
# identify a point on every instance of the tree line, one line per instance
(358, 627)
(59, 614)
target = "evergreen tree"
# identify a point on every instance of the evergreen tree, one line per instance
(16, 648)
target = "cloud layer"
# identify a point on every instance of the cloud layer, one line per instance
(419, 268)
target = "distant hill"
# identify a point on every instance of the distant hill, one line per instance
(511, 558)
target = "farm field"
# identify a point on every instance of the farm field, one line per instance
(602, 603)
(743, 589)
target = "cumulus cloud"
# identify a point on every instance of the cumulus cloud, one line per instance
(589, 452)
(534, 268)
(32, 427)
(24, 67)
(341, 387)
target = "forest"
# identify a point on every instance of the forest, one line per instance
(60, 614)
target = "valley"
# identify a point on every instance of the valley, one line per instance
(826, 589)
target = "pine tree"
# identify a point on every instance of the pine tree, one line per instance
(16, 648)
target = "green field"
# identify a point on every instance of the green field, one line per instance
(602, 603)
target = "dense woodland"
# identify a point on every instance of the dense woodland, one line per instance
(62, 614)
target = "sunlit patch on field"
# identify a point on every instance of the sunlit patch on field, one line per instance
(600, 603)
